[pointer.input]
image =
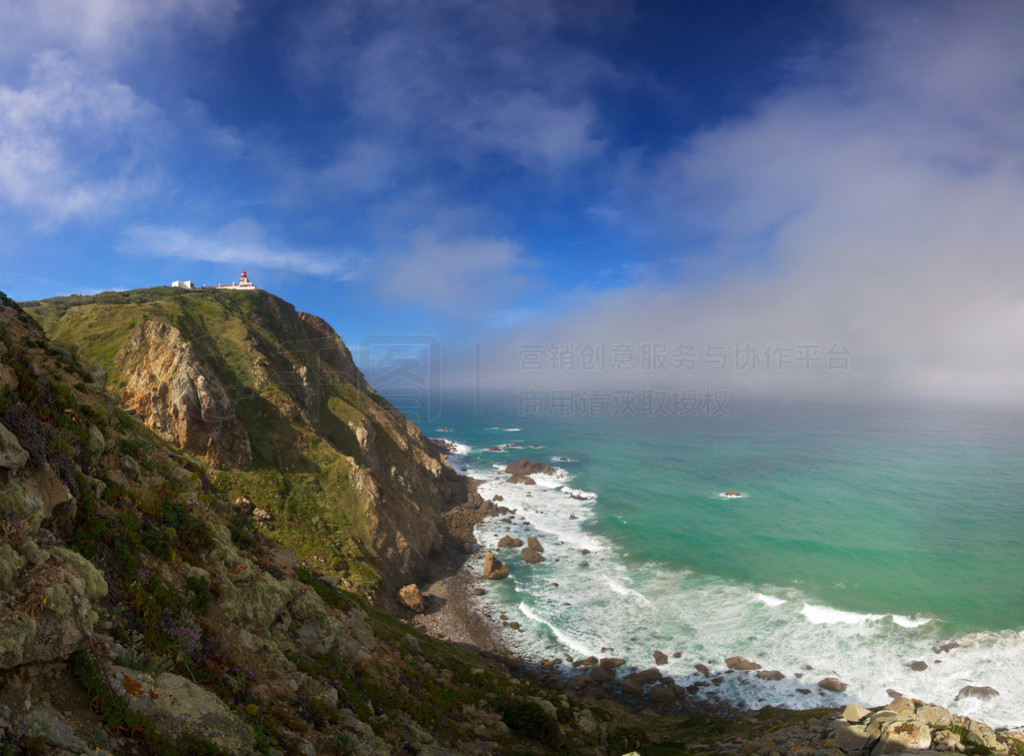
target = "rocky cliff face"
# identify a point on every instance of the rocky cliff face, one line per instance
(177, 395)
(272, 398)
(143, 610)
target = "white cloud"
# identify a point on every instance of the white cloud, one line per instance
(462, 80)
(877, 208)
(70, 142)
(242, 242)
(105, 29)
(459, 273)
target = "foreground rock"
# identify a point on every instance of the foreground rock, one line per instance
(178, 707)
(902, 726)
(412, 598)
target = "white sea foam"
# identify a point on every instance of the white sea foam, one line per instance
(634, 608)
(769, 600)
(825, 615)
(561, 635)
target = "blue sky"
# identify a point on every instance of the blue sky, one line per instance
(798, 180)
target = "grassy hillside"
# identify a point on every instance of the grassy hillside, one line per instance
(336, 468)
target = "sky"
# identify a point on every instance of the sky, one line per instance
(796, 198)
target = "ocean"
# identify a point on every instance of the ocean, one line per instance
(862, 538)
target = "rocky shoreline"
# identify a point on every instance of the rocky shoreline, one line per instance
(450, 613)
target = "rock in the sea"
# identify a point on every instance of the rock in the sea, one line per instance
(531, 556)
(943, 648)
(660, 658)
(984, 692)
(831, 683)
(770, 674)
(739, 663)
(410, 596)
(918, 666)
(526, 467)
(493, 568)
(612, 662)
(703, 669)
(508, 542)
(534, 544)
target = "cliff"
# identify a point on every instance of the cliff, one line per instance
(145, 607)
(271, 398)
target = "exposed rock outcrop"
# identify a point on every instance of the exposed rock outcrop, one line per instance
(180, 397)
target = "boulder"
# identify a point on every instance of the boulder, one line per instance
(612, 662)
(935, 716)
(980, 734)
(651, 675)
(12, 455)
(983, 692)
(508, 542)
(739, 663)
(703, 669)
(632, 684)
(412, 598)
(918, 666)
(944, 740)
(903, 706)
(660, 658)
(531, 557)
(662, 694)
(493, 568)
(854, 713)
(523, 467)
(831, 683)
(898, 737)
(177, 706)
(944, 648)
(770, 674)
(853, 737)
(534, 544)
(602, 674)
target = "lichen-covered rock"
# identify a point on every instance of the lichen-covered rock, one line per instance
(178, 706)
(49, 614)
(12, 455)
(897, 737)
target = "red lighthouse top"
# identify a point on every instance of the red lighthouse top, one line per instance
(243, 275)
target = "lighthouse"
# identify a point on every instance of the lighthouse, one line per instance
(244, 284)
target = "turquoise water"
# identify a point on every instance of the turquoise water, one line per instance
(864, 536)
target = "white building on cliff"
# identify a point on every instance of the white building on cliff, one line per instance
(244, 284)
